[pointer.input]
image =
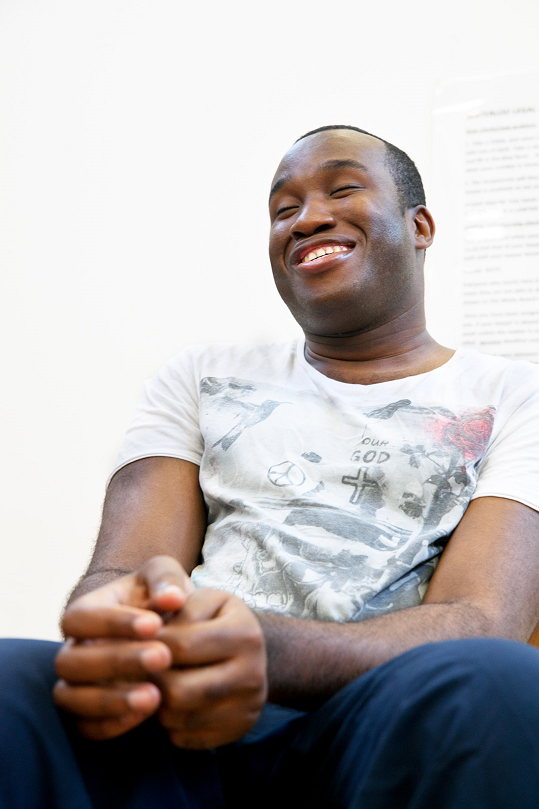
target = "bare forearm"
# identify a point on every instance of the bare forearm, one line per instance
(308, 661)
(94, 578)
(153, 507)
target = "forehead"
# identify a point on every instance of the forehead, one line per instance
(307, 157)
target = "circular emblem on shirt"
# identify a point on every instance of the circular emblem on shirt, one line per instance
(286, 474)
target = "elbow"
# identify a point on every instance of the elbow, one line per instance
(497, 621)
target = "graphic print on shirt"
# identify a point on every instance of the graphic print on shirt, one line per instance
(344, 510)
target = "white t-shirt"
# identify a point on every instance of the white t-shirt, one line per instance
(331, 500)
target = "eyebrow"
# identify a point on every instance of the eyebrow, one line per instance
(279, 184)
(344, 164)
(329, 165)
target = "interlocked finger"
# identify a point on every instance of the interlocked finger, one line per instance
(203, 729)
(102, 729)
(210, 628)
(167, 583)
(84, 619)
(201, 688)
(103, 702)
(92, 661)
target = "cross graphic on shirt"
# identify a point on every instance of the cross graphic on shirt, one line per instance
(360, 482)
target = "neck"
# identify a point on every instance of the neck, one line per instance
(395, 350)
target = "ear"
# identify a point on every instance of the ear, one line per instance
(423, 226)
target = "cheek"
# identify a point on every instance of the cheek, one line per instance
(390, 229)
(277, 244)
(281, 280)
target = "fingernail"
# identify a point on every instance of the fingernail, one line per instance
(145, 624)
(142, 699)
(163, 588)
(155, 659)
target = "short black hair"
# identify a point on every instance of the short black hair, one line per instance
(402, 168)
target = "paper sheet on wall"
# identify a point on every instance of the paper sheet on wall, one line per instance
(484, 286)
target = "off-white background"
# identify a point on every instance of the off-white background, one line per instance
(137, 145)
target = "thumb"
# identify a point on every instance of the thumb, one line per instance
(167, 583)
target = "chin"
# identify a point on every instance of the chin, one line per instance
(331, 320)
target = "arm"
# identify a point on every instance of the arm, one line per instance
(487, 583)
(126, 657)
(153, 506)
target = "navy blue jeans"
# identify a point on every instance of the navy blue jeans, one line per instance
(452, 724)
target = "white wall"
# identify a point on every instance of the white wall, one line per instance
(137, 145)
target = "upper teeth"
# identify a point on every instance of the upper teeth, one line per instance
(324, 251)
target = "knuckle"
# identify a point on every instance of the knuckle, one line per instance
(179, 693)
(162, 559)
(216, 691)
(68, 620)
(178, 643)
(253, 637)
(174, 693)
(61, 664)
(115, 662)
(162, 566)
(60, 693)
(255, 685)
(65, 663)
(123, 661)
(107, 704)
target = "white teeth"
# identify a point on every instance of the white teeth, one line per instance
(324, 251)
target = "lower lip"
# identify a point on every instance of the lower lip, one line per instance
(323, 263)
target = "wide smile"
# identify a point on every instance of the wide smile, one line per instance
(317, 257)
(321, 252)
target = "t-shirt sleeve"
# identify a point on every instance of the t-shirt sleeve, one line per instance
(511, 465)
(166, 420)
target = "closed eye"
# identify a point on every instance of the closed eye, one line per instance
(286, 209)
(347, 188)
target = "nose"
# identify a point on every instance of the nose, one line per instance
(314, 217)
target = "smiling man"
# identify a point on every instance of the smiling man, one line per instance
(325, 200)
(315, 557)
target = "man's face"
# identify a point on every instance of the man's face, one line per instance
(333, 193)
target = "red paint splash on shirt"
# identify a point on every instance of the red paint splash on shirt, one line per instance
(470, 433)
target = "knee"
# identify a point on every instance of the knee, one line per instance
(482, 667)
(495, 664)
(469, 685)
(446, 701)
(462, 684)
(26, 670)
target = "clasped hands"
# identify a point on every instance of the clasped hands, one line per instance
(149, 642)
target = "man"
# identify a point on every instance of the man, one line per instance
(272, 533)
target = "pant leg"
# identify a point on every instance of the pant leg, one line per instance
(45, 764)
(246, 766)
(452, 725)
(446, 725)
